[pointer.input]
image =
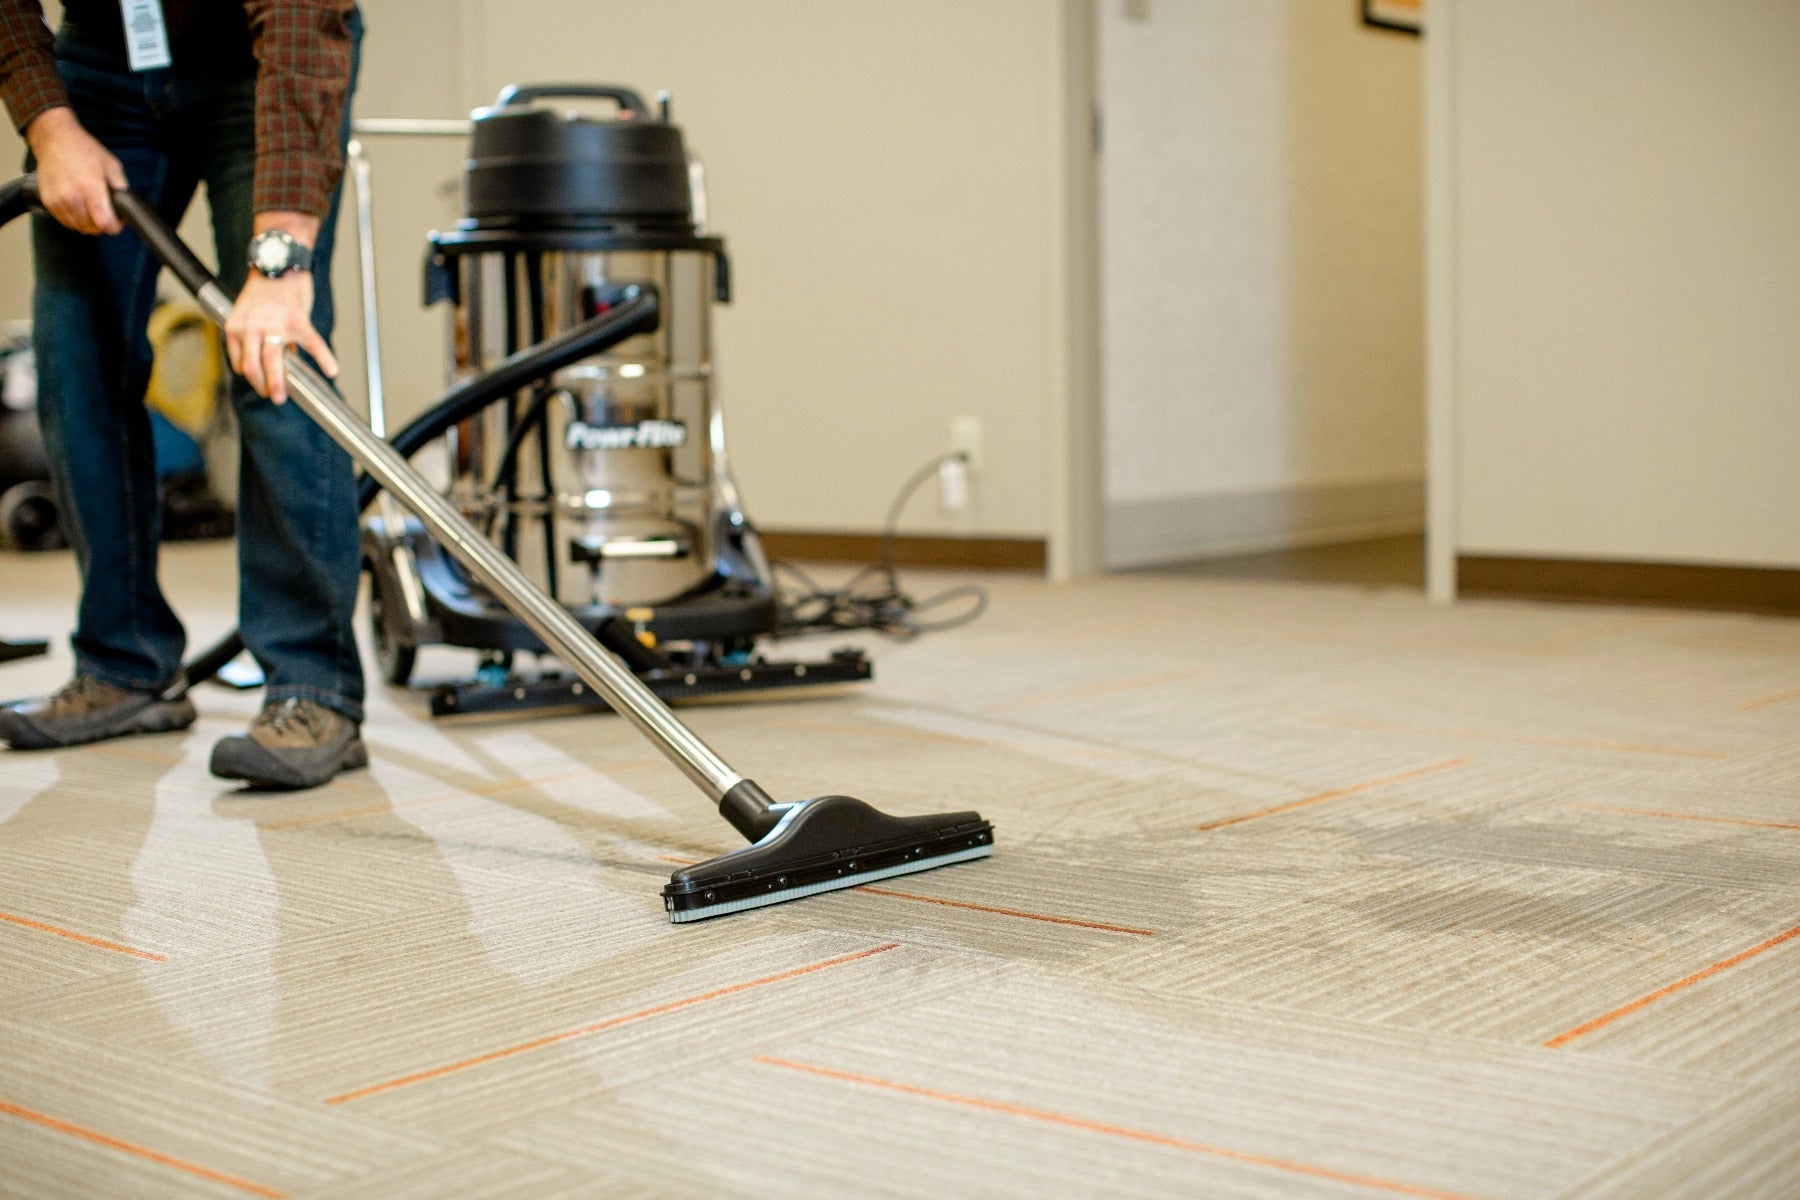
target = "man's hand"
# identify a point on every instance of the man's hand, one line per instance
(272, 314)
(76, 174)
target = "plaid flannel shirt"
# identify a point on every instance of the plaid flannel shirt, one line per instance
(302, 51)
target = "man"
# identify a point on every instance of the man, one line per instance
(251, 98)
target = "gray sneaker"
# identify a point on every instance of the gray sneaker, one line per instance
(86, 709)
(293, 743)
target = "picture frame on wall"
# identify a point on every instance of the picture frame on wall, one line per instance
(1401, 16)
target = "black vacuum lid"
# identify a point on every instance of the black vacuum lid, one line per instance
(532, 166)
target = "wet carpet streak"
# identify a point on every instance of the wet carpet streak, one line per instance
(1300, 891)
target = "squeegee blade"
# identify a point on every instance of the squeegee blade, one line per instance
(824, 845)
(779, 895)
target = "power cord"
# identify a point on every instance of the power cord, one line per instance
(872, 599)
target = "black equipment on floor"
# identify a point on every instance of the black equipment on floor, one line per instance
(30, 516)
(13, 649)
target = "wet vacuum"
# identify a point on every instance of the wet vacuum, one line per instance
(606, 478)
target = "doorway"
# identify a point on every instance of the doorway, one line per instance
(1261, 233)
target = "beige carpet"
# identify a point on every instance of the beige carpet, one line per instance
(1300, 891)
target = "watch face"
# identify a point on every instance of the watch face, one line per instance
(270, 254)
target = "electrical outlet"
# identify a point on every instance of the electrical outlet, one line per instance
(953, 485)
(965, 439)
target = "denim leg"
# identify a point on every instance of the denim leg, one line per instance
(299, 543)
(92, 299)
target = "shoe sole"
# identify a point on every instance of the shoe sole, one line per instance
(250, 763)
(164, 716)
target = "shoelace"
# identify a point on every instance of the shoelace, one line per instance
(77, 692)
(291, 711)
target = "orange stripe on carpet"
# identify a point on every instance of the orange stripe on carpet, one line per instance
(84, 939)
(167, 1160)
(1117, 1131)
(1338, 794)
(1605, 1019)
(601, 1026)
(1675, 816)
(1004, 912)
(1521, 739)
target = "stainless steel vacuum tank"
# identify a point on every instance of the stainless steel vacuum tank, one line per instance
(606, 482)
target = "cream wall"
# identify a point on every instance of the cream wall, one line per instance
(888, 177)
(892, 182)
(15, 242)
(1263, 277)
(1619, 251)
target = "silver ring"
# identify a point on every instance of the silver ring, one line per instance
(274, 339)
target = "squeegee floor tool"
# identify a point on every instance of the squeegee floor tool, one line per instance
(798, 849)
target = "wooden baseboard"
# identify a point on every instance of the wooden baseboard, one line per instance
(1669, 585)
(1185, 529)
(910, 550)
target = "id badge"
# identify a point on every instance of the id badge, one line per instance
(146, 37)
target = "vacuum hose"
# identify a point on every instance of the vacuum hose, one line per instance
(18, 198)
(637, 313)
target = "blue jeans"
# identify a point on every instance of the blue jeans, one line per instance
(298, 552)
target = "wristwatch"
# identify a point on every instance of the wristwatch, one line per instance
(274, 253)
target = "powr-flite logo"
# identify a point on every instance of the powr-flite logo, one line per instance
(645, 435)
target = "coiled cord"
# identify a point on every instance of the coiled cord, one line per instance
(872, 599)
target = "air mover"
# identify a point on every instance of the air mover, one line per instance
(799, 849)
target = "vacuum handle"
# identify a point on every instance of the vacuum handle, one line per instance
(168, 248)
(18, 198)
(525, 93)
(21, 196)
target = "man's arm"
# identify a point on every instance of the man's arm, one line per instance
(302, 85)
(28, 79)
(75, 172)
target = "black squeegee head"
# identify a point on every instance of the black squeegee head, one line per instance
(823, 845)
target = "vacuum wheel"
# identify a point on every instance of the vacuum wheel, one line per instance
(393, 656)
(28, 517)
